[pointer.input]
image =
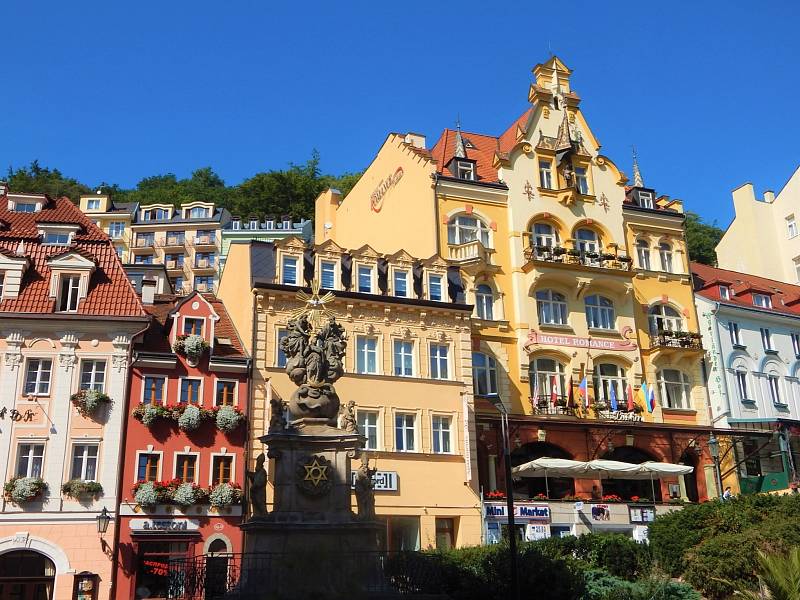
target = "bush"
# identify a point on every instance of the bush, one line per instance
(602, 586)
(615, 553)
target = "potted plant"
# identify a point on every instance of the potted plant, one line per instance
(228, 418)
(496, 495)
(640, 500)
(148, 414)
(540, 497)
(89, 401)
(224, 494)
(149, 493)
(189, 418)
(78, 488)
(187, 494)
(606, 256)
(574, 252)
(24, 489)
(559, 251)
(190, 346)
(611, 498)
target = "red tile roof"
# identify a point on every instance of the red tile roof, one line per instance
(110, 293)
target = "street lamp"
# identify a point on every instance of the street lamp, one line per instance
(512, 530)
(713, 448)
(103, 519)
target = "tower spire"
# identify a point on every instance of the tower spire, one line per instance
(637, 174)
(460, 151)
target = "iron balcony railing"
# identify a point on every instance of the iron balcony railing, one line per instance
(561, 255)
(677, 339)
(544, 407)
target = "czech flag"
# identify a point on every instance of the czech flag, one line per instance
(651, 398)
(629, 394)
(553, 391)
(612, 393)
(583, 391)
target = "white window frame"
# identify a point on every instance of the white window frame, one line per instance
(724, 292)
(437, 372)
(742, 384)
(465, 170)
(487, 373)
(582, 180)
(544, 234)
(365, 426)
(599, 315)
(366, 351)
(371, 269)
(403, 356)
(619, 382)
(93, 374)
(645, 199)
(178, 400)
(685, 389)
(762, 300)
(442, 435)
(401, 275)
(546, 300)
(31, 456)
(672, 323)
(197, 471)
(791, 226)
(585, 244)
(73, 292)
(160, 469)
(735, 333)
(42, 386)
(458, 230)
(235, 383)
(795, 342)
(774, 387)
(93, 204)
(145, 377)
(84, 460)
(285, 260)
(766, 339)
(236, 225)
(212, 456)
(431, 278)
(330, 263)
(665, 255)
(484, 302)
(115, 232)
(404, 428)
(545, 174)
(643, 254)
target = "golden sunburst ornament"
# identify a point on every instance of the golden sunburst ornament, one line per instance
(314, 305)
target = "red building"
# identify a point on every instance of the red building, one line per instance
(184, 463)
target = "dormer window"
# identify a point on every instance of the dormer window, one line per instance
(25, 207)
(69, 286)
(2, 280)
(25, 203)
(253, 223)
(724, 292)
(762, 301)
(155, 214)
(401, 283)
(60, 235)
(269, 224)
(192, 326)
(465, 170)
(93, 204)
(287, 224)
(198, 212)
(56, 238)
(236, 224)
(645, 199)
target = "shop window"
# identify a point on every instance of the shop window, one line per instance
(84, 462)
(186, 468)
(221, 469)
(154, 388)
(192, 326)
(445, 533)
(190, 391)
(30, 458)
(152, 573)
(148, 467)
(401, 533)
(368, 427)
(226, 393)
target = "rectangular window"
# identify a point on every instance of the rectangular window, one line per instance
(774, 388)
(403, 358)
(441, 435)
(154, 388)
(61, 239)
(177, 284)
(733, 328)
(226, 393)
(404, 432)
(176, 238)
(204, 283)
(25, 207)
(204, 260)
(280, 360)
(192, 326)
(545, 175)
(289, 270)
(30, 458)
(439, 361)
(2, 278)
(68, 299)
(174, 261)
(84, 462)
(93, 204)
(93, 375)
(205, 236)
(37, 376)
(581, 180)
(140, 259)
(116, 229)
(190, 391)
(796, 344)
(797, 269)
(445, 533)
(368, 427)
(186, 468)
(724, 292)
(435, 288)
(221, 469)
(762, 301)
(401, 283)
(327, 274)
(365, 279)
(766, 338)
(145, 240)
(147, 469)
(741, 384)
(236, 224)
(366, 354)
(645, 199)
(791, 226)
(465, 170)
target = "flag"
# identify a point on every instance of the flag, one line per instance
(570, 395)
(535, 397)
(583, 391)
(651, 398)
(643, 391)
(612, 396)
(631, 404)
(553, 391)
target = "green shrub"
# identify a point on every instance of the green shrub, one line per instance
(612, 552)
(721, 564)
(602, 586)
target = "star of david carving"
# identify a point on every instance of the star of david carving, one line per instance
(316, 473)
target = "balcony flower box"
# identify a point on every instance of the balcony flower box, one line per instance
(189, 494)
(495, 495)
(228, 418)
(611, 498)
(608, 257)
(570, 498)
(80, 489)
(150, 493)
(24, 489)
(224, 495)
(559, 251)
(88, 402)
(190, 417)
(190, 346)
(640, 500)
(540, 497)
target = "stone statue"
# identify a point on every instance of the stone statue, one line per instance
(258, 487)
(569, 175)
(365, 495)
(277, 417)
(295, 346)
(347, 418)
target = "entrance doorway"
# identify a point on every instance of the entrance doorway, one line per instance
(26, 575)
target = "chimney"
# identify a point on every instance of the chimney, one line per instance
(769, 196)
(148, 291)
(415, 139)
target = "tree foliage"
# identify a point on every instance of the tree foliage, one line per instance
(36, 179)
(702, 238)
(778, 575)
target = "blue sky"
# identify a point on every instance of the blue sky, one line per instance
(116, 91)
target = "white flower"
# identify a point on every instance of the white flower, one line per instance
(220, 496)
(25, 489)
(185, 495)
(228, 419)
(146, 495)
(189, 419)
(194, 345)
(91, 401)
(149, 415)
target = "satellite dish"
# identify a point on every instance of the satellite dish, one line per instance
(98, 192)
(328, 225)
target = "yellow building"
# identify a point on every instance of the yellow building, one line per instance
(408, 367)
(114, 218)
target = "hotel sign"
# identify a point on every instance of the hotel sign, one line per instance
(376, 200)
(530, 512)
(549, 339)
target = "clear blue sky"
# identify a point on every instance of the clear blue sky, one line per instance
(116, 91)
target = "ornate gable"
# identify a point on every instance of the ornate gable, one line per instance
(401, 258)
(329, 249)
(292, 242)
(365, 252)
(435, 263)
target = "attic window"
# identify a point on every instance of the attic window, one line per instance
(57, 235)
(25, 207)
(465, 170)
(469, 145)
(236, 224)
(645, 199)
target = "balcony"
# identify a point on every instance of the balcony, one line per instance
(142, 245)
(203, 241)
(171, 241)
(563, 256)
(174, 265)
(545, 408)
(682, 340)
(470, 252)
(203, 264)
(204, 287)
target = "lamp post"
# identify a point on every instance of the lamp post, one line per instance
(512, 530)
(103, 519)
(713, 448)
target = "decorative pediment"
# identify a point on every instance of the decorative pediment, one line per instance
(71, 260)
(329, 249)
(292, 242)
(401, 258)
(365, 251)
(435, 263)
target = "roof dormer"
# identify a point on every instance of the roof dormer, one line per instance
(156, 212)
(194, 315)
(95, 203)
(28, 203)
(12, 268)
(70, 273)
(197, 210)
(57, 234)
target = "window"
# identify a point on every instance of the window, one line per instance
(544, 236)
(774, 381)
(269, 224)
(581, 180)
(599, 312)
(608, 376)
(435, 287)
(674, 388)
(403, 358)
(366, 354)
(445, 533)
(588, 240)
(287, 224)
(401, 534)
(68, 298)
(59, 238)
(177, 283)
(93, 375)
(665, 253)
(186, 468)
(441, 434)
(190, 391)
(147, 469)
(280, 361)
(465, 170)
(551, 307)
(289, 270)
(664, 318)
(176, 238)
(236, 225)
(791, 226)
(368, 426)
(546, 174)
(140, 259)
(204, 283)
(93, 204)
(401, 283)
(37, 376)
(643, 254)
(484, 374)
(30, 458)
(2, 279)
(724, 292)
(116, 229)
(404, 432)
(484, 302)
(221, 469)
(154, 388)
(198, 212)
(364, 279)
(204, 260)
(463, 229)
(439, 361)
(174, 261)
(736, 338)
(762, 301)
(546, 375)
(205, 236)
(192, 326)
(741, 384)
(25, 207)
(766, 339)
(155, 214)
(327, 272)
(253, 223)
(84, 462)
(796, 343)
(226, 393)
(645, 199)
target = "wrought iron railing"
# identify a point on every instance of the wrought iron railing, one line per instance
(544, 406)
(677, 339)
(559, 254)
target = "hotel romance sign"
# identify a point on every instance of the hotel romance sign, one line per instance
(573, 341)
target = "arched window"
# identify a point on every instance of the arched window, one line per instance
(674, 388)
(484, 374)
(742, 384)
(463, 229)
(599, 312)
(546, 374)
(544, 235)
(664, 318)
(665, 253)
(774, 384)
(484, 302)
(552, 307)
(643, 254)
(608, 376)
(587, 240)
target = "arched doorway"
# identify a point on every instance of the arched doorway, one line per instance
(689, 458)
(216, 579)
(627, 488)
(533, 486)
(26, 575)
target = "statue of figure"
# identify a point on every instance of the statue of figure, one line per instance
(294, 346)
(569, 175)
(258, 487)
(315, 362)
(347, 417)
(334, 342)
(277, 415)
(365, 495)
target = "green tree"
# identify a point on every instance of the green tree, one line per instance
(778, 576)
(702, 238)
(36, 179)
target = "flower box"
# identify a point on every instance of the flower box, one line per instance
(148, 494)
(24, 489)
(88, 402)
(190, 346)
(78, 488)
(611, 498)
(190, 417)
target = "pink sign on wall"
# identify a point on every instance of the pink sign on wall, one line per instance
(554, 339)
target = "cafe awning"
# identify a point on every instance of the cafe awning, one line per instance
(598, 469)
